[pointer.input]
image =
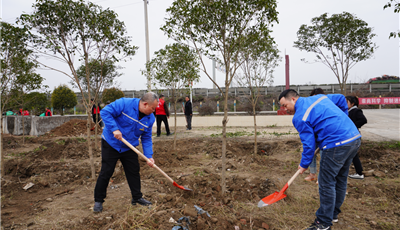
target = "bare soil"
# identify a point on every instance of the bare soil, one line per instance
(62, 195)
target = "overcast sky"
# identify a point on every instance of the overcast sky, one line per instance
(292, 14)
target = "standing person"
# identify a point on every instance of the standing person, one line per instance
(131, 119)
(48, 112)
(188, 113)
(96, 114)
(313, 166)
(320, 122)
(162, 115)
(357, 116)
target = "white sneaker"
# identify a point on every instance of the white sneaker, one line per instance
(356, 176)
(335, 220)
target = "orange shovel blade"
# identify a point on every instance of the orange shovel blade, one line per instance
(274, 197)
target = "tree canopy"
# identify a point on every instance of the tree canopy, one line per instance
(63, 98)
(112, 94)
(396, 9)
(339, 42)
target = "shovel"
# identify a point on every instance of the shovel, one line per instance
(96, 124)
(277, 196)
(155, 166)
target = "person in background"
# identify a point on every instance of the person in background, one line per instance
(96, 113)
(48, 112)
(313, 166)
(131, 119)
(357, 116)
(162, 115)
(321, 120)
(188, 113)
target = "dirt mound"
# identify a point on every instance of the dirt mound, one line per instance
(74, 127)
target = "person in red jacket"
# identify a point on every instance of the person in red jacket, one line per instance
(162, 115)
(96, 113)
(48, 113)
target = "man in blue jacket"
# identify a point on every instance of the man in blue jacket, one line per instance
(322, 120)
(130, 118)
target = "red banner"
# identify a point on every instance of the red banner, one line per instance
(379, 100)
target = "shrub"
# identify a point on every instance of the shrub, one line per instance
(206, 109)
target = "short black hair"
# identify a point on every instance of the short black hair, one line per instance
(353, 100)
(161, 95)
(288, 93)
(317, 91)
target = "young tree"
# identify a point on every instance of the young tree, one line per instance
(220, 30)
(174, 67)
(111, 94)
(102, 75)
(396, 5)
(63, 98)
(257, 71)
(339, 42)
(66, 30)
(17, 70)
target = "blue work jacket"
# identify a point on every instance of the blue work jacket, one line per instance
(123, 115)
(323, 120)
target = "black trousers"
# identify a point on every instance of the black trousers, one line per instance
(162, 118)
(357, 165)
(109, 158)
(189, 121)
(99, 118)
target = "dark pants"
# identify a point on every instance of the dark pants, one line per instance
(94, 116)
(189, 121)
(162, 118)
(332, 179)
(109, 158)
(358, 165)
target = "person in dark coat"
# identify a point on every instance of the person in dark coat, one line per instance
(188, 113)
(96, 113)
(357, 116)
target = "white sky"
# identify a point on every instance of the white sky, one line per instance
(292, 14)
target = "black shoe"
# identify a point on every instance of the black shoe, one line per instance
(158, 135)
(187, 129)
(141, 201)
(318, 226)
(169, 134)
(98, 207)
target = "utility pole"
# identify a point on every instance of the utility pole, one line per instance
(147, 42)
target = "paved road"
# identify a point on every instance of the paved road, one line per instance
(383, 124)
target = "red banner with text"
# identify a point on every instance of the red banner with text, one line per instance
(379, 100)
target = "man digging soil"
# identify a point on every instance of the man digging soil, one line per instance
(336, 135)
(131, 119)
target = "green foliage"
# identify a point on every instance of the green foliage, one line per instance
(17, 66)
(112, 94)
(396, 5)
(102, 75)
(174, 67)
(36, 102)
(339, 42)
(63, 97)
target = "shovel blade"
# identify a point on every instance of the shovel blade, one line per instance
(181, 187)
(274, 197)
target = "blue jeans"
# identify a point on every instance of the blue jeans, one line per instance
(332, 179)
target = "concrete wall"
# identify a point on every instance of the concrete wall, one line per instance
(35, 125)
(40, 125)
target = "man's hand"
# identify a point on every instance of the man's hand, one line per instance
(151, 162)
(118, 134)
(302, 170)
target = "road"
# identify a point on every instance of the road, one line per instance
(383, 124)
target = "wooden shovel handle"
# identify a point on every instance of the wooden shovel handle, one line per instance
(147, 159)
(298, 171)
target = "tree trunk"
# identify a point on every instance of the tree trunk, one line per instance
(95, 132)
(90, 146)
(224, 122)
(255, 131)
(23, 128)
(1, 145)
(175, 124)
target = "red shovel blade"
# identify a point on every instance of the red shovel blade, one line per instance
(181, 187)
(274, 197)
